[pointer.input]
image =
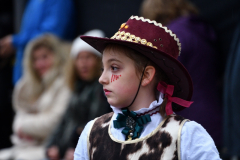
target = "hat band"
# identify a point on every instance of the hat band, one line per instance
(131, 38)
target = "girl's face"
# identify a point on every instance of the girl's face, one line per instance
(86, 65)
(119, 79)
(43, 60)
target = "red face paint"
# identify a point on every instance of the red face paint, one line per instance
(115, 77)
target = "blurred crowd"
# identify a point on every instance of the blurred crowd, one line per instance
(49, 85)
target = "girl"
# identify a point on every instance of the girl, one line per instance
(144, 83)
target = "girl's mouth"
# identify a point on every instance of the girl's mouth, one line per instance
(106, 92)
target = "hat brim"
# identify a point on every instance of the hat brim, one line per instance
(175, 71)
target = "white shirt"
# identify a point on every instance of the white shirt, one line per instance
(196, 143)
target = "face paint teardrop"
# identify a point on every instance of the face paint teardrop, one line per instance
(115, 77)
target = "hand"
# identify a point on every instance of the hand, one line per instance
(53, 153)
(69, 155)
(6, 47)
(22, 135)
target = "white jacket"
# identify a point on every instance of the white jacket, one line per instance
(39, 103)
(39, 119)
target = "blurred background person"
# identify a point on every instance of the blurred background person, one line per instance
(198, 55)
(40, 16)
(39, 99)
(87, 100)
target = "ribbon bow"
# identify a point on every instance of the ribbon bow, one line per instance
(168, 91)
(135, 127)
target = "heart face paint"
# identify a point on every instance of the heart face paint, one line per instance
(115, 77)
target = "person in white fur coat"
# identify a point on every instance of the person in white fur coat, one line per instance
(40, 99)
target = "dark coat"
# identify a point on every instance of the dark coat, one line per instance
(199, 56)
(231, 98)
(87, 102)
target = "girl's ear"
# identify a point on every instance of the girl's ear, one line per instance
(148, 75)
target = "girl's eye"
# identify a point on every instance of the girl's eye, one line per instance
(114, 68)
(102, 69)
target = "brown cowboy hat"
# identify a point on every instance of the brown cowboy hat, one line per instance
(157, 43)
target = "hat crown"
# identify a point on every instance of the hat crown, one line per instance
(150, 33)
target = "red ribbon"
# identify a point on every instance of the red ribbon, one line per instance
(168, 91)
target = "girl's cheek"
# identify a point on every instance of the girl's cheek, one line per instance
(115, 77)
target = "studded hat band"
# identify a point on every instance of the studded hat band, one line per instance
(121, 35)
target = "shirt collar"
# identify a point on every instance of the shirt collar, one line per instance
(153, 107)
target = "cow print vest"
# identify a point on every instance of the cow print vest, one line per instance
(163, 143)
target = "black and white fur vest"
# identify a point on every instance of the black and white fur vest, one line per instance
(163, 143)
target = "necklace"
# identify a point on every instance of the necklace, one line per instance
(132, 123)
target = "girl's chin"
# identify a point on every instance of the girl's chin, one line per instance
(116, 104)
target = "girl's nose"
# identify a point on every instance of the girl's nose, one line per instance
(103, 78)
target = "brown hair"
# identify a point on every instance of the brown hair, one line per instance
(71, 73)
(140, 61)
(164, 11)
(41, 44)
